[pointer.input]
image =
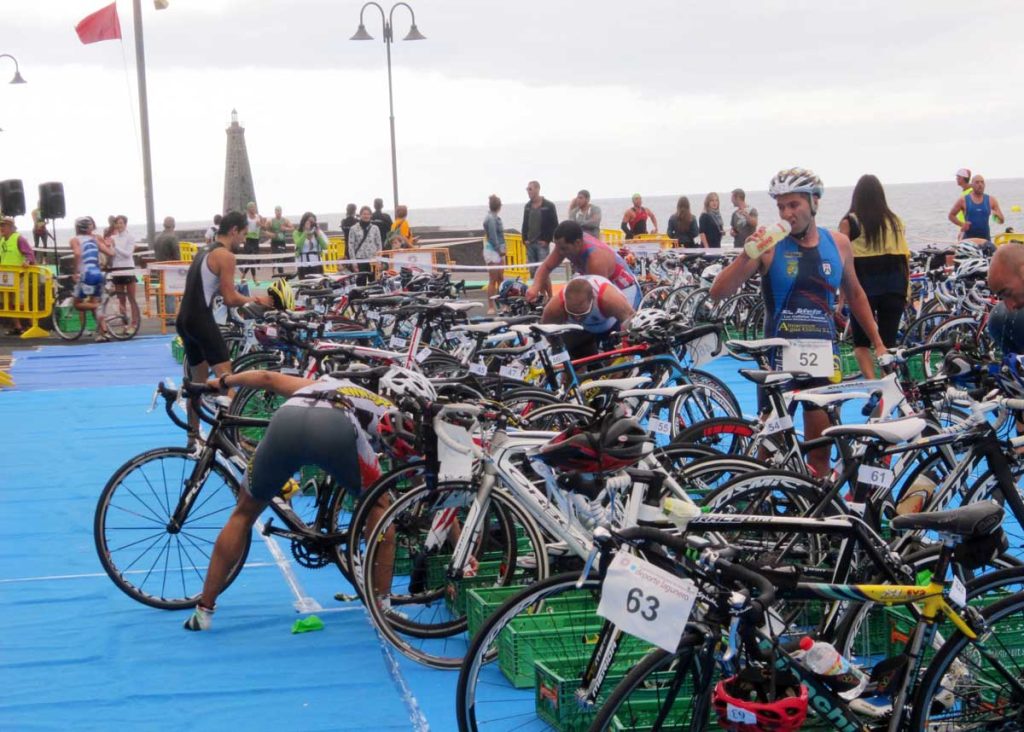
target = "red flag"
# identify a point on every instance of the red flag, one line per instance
(103, 25)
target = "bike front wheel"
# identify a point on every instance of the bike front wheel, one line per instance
(148, 558)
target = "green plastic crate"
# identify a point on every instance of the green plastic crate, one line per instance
(69, 320)
(646, 710)
(521, 644)
(556, 682)
(482, 601)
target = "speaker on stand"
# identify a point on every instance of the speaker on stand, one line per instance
(12, 198)
(51, 208)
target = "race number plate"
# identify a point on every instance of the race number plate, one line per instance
(659, 426)
(645, 601)
(703, 349)
(423, 355)
(398, 342)
(812, 356)
(778, 424)
(871, 475)
(478, 368)
(455, 465)
(512, 371)
(560, 357)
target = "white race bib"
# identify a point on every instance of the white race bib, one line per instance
(512, 371)
(811, 356)
(871, 475)
(702, 350)
(560, 357)
(398, 342)
(659, 426)
(777, 424)
(645, 601)
(478, 368)
(423, 355)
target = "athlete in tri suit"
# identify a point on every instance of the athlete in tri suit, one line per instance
(588, 256)
(333, 424)
(89, 278)
(212, 272)
(971, 212)
(593, 302)
(634, 221)
(800, 277)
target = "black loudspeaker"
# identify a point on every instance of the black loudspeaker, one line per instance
(12, 198)
(51, 200)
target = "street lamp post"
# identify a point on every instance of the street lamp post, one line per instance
(412, 35)
(17, 73)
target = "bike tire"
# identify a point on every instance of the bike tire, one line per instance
(68, 328)
(121, 326)
(143, 493)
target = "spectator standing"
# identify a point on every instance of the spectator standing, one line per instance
(975, 208)
(364, 243)
(584, 213)
(494, 250)
(400, 236)
(309, 243)
(14, 252)
(540, 217)
(350, 219)
(744, 218)
(682, 225)
(279, 227)
(634, 221)
(963, 179)
(881, 259)
(165, 246)
(254, 225)
(39, 230)
(211, 231)
(711, 227)
(380, 219)
(123, 263)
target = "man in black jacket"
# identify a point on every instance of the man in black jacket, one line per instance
(380, 219)
(540, 218)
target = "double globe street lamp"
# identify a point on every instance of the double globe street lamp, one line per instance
(412, 35)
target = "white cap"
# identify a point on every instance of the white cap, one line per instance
(963, 173)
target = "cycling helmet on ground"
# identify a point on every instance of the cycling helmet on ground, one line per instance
(614, 443)
(786, 713)
(399, 382)
(84, 224)
(281, 294)
(796, 180)
(397, 431)
(710, 272)
(511, 288)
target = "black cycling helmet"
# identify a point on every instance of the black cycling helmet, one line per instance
(613, 443)
(84, 224)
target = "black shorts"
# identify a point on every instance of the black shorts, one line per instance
(299, 436)
(122, 279)
(202, 340)
(888, 310)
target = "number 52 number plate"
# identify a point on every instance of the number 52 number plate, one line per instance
(812, 356)
(645, 601)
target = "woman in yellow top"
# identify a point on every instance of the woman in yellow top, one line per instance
(401, 235)
(881, 258)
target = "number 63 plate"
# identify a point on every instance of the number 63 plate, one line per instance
(645, 601)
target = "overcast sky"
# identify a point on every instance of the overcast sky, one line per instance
(657, 96)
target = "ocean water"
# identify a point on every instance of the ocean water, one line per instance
(922, 206)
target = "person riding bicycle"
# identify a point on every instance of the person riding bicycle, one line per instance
(588, 256)
(211, 273)
(89, 278)
(331, 423)
(594, 303)
(800, 277)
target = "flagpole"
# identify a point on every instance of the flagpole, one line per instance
(147, 164)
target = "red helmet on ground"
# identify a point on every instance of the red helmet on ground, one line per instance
(785, 714)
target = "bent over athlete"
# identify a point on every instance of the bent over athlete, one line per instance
(592, 302)
(800, 277)
(329, 423)
(588, 256)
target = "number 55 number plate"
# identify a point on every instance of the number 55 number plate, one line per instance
(646, 601)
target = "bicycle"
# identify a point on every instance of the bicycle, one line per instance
(118, 312)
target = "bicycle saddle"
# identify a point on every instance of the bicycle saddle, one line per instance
(774, 377)
(894, 431)
(976, 519)
(753, 347)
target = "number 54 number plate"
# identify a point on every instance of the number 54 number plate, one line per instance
(645, 601)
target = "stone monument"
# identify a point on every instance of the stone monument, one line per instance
(238, 185)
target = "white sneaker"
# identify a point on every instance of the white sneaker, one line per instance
(201, 619)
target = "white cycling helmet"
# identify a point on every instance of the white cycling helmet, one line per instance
(972, 268)
(710, 272)
(649, 318)
(398, 382)
(796, 180)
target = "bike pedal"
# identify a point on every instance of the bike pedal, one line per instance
(267, 526)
